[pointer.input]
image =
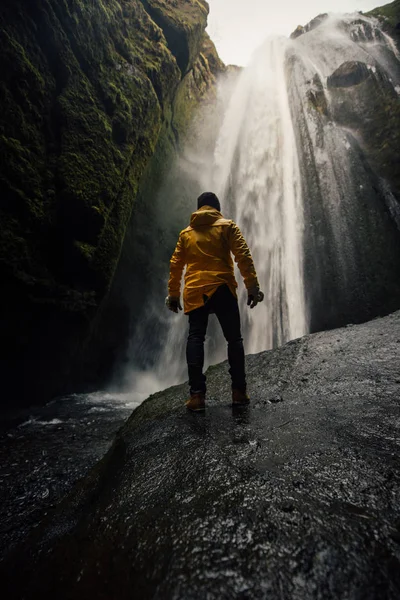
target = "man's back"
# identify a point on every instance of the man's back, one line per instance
(205, 248)
(207, 255)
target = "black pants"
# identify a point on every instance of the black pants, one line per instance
(225, 306)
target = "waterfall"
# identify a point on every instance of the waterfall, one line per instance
(254, 170)
(298, 184)
(256, 173)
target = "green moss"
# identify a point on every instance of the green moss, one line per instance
(81, 119)
(198, 86)
(86, 89)
(183, 23)
(82, 112)
(391, 12)
(87, 250)
(183, 14)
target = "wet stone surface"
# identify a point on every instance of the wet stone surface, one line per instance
(296, 498)
(44, 451)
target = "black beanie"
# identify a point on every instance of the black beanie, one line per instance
(208, 199)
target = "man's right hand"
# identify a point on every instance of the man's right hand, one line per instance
(254, 297)
(173, 303)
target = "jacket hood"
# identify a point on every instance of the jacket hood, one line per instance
(206, 215)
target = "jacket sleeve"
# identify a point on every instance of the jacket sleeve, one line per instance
(177, 264)
(243, 258)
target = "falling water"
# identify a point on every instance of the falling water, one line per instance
(255, 172)
(275, 161)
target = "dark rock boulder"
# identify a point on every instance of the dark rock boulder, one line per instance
(364, 99)
(292, 498)
(349, 74)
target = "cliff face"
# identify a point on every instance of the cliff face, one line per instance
(347, 113)
(133, 310)
(87, 90)
(363, 96)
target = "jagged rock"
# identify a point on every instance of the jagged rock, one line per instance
(285, 500)
(198, 85)
(300, 30)
(353, 132)
(215, 63)
(297, 32)
(318, 100)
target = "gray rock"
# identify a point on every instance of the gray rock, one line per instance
(298, 499)
(349, 74)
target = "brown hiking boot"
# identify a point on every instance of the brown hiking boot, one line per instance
(240, 398)
(197, 402)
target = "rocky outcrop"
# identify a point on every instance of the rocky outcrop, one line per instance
(287, 499)
(300, 30)
(87, 90)
(317, 97)
(183, 24)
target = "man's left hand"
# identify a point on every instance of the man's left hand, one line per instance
(173, 304)
(254, 297)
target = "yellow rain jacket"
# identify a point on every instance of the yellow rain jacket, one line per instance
(205, 248)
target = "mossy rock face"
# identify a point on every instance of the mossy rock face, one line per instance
(199, 85)
(85, 90)
(164, 201)
(389, 16)
(183, 23)
(80, 119)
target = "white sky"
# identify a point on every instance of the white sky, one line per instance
(237, 27)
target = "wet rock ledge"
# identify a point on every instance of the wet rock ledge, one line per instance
(296, 497)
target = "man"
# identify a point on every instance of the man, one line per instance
(205, 248)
